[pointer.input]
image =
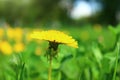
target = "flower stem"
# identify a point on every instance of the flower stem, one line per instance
(22, 71)
(50, 68)
(114, 75)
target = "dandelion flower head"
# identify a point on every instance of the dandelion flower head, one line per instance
(5, 48)
(55, 36)
(18, 47)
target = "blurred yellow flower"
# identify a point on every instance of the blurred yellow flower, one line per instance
(18, 34)
(19, 47)
(10, 33)
(5, 48)
(28, 37)
(1, 32)
(55, 37)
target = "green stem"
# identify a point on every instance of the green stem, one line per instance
(22, 71)
(114, 75)
(17, 74)
(50, 69)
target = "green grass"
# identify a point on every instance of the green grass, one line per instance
(97, 58)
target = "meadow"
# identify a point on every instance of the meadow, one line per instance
(96, 58)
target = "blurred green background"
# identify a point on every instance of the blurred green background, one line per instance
(93, 23)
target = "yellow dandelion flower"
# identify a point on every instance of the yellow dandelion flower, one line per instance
(5, 48)
(19, 47)
(55, 37)
(18, 34)
(28, 37)
(10, 33)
